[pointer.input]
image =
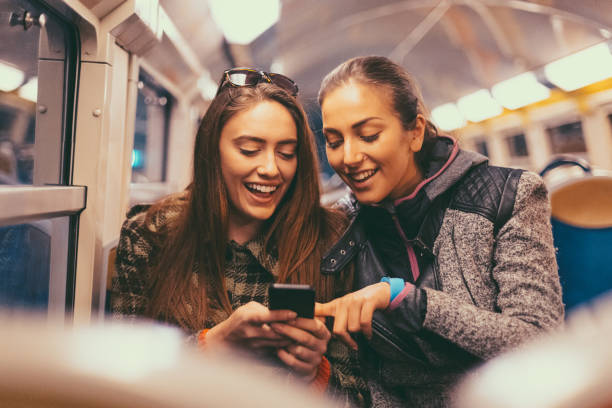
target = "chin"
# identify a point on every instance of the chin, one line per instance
(261, 214)
(368, 198)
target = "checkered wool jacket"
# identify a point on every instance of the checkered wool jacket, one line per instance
(249, 271)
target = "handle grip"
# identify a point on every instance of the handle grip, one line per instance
(566, 160)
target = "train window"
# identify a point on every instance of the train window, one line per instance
(33, 266)
(567, 138)
(481, 147)
(38, 71)
(150, 131)
(34, 54)
(517, 145)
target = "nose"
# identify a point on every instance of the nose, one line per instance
(352, 154)
(268, 168)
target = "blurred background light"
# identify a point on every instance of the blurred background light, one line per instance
(277, 66)
(479, 106)
(137, 159)
(520, 91)
(206, 86)
(241, 21)
(582, 68)
(125, 354)
(10, 77)
(447, 117)
(29, 91)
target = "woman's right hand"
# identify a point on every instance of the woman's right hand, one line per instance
(353, 312)
(248, 327)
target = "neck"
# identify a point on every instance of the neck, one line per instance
(408, 185)
(242, 230)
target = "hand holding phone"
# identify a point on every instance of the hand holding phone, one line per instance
(299, 298)
(309, 336)
(249, 327)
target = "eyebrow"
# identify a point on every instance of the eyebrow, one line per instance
(363, 122)
(354, 125)
(247, 138)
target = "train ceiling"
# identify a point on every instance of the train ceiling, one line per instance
(453, 47)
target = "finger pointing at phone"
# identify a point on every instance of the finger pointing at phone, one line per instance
(353, 312)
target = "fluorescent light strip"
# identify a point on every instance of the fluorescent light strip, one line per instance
(519, 91)
(582, 68)
(242, 21)
(10, 77)
(447, 117)
(29, 91)
(478, 106)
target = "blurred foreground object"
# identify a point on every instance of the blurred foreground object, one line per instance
(120, 365)
(567, 369)
(581, 203)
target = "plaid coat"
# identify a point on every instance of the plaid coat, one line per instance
(249, 271)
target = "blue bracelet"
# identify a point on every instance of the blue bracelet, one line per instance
(396, 284)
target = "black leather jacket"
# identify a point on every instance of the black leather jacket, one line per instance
(382, 240)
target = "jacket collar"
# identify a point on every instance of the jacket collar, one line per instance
(449, 164)
(453, 167)
(444, 153)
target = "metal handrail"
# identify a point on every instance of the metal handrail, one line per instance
(25, 203)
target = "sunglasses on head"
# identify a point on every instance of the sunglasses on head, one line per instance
(251, 77)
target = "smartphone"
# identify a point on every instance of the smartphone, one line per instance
(299, 298)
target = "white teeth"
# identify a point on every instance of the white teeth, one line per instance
(261, 188)
(363, 175)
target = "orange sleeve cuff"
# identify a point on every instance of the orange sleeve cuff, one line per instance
(202, 338)
(321, 380)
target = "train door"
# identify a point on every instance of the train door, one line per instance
(40, 202)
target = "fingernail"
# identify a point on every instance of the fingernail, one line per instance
(291, 315)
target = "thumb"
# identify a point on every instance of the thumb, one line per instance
(325, 309)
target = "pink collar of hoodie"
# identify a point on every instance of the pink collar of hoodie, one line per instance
(424, 182)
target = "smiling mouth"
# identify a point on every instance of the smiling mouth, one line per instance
(261, 189)
(362, 176)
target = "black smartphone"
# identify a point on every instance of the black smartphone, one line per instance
(299, 298)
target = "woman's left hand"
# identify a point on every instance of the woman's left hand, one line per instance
(311, 338)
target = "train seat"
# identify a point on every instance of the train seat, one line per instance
(581, 205)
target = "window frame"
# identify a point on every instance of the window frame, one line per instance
(25, 203)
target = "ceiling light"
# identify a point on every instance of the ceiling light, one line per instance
(478, 106)
(10, 77)
(29, 91)
(241, 21)
(582, 68)
(519, 91)
(447, 117)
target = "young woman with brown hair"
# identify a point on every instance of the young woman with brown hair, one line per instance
(203, 259)
(454, 258)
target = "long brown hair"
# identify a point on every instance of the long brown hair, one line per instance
(405, 94)
(194, 236)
